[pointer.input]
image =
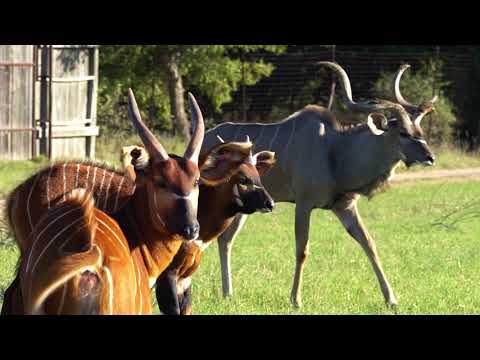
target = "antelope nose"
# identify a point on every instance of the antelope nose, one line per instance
(430, 160)
(269, 205)
(190, 232)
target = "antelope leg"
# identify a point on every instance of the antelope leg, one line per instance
(12, 299)
(225, 243)
(185, 301)
(166, 293)
(302, 226)
(347, 212)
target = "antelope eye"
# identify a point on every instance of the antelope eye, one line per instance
(244, 181)
(195, 184)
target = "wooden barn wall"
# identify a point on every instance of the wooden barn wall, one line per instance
(16, 102)
(69, 100)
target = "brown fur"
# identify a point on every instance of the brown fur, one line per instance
(116, 281)
(214, 216)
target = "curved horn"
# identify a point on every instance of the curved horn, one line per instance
(193, 149)
(396, 87)
(366, 106)
(154, 148)
(398, 95)
(375, 130)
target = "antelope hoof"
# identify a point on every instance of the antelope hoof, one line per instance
(392, 303)
(227, 294)
(296, 301)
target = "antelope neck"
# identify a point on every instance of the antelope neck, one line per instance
(155, 248)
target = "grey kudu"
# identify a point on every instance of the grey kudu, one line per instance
(320, 165)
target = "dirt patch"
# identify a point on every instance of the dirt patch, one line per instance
(454, 174)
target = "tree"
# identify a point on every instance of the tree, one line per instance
(214, 71)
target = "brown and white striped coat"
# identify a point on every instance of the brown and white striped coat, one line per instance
(154, 212)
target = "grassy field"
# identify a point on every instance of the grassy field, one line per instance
(432, 260)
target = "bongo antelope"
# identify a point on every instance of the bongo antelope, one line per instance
(322, 166)
(155, 208)
(219, 202)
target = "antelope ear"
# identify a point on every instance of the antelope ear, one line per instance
(222, 161)
(135, 160)
(264, 161)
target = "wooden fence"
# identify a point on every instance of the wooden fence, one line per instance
(48, 98)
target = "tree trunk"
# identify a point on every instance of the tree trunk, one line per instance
(176, 93)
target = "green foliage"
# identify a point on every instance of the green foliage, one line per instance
(213, 70)
(417, 87)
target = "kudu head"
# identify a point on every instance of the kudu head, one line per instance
(412, 141)
(404, 130)
(243, 186)
(170, 181)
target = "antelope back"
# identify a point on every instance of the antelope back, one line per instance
(28, 202)
(80, 263)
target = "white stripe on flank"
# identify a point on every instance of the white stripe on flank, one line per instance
(28, 202)
(86, 180)
(274, 137)
(93, 180)
(110, 286)
(52, 240)
(288, 144)
(140, 290)
(118, 194)
(62, 300)
(101, 187)
(106, 193)
(64, 183)
(48, 187)
(76, 176)
(46, 293)
(257, 140)
(46, 227)
(115, 234)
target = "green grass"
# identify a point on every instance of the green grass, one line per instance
(434, 269)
